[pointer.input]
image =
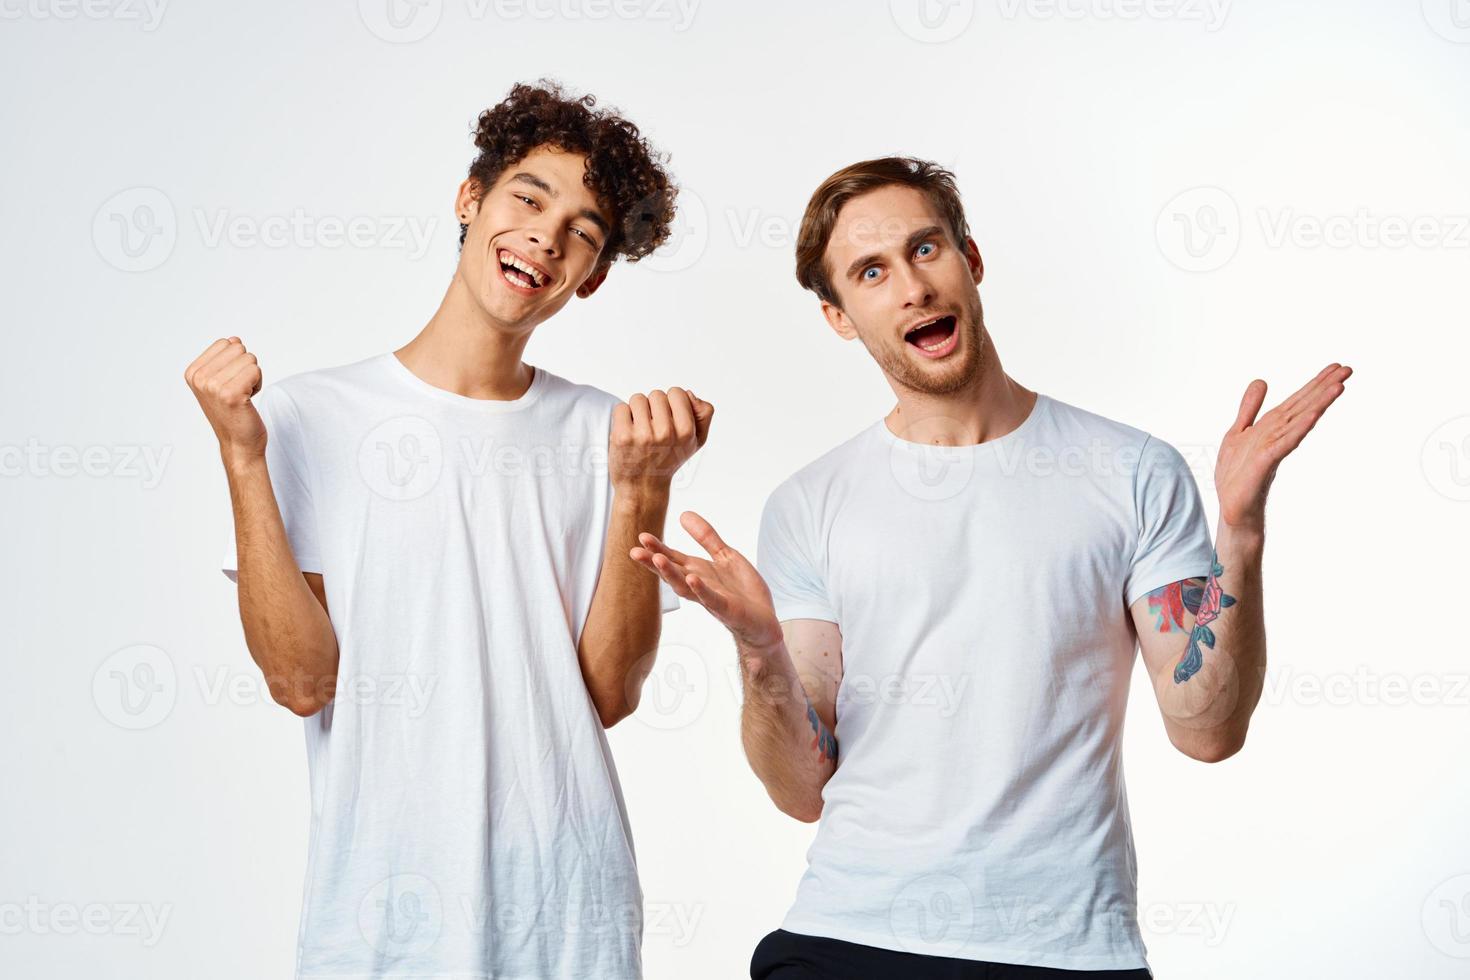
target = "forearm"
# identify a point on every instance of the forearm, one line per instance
(1210, 694)
(790, 748)
(620, 638)
(287, 631)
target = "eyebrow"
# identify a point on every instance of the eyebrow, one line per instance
(524, 177)
(913, 242)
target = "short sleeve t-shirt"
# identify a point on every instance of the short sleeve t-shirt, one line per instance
(978, 808)
(466, 817)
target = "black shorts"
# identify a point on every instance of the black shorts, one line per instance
(788, 956)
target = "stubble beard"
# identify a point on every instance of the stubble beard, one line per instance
(951, 376)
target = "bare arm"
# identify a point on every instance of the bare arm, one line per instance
(619, 641)
(651, 437)
(1204, 645)
(287, 629)
(1203, 641)
(790, 713)
(789, 671)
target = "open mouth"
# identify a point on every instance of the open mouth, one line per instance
(933, 337)
(520, 273)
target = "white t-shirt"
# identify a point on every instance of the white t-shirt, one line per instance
(466, 816)
(978, 809)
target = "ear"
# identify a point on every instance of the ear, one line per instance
(972, 256)
(590, 284)
(467, 200)
(838, 321)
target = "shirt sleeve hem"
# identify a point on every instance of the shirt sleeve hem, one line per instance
(1167, 576)
(803, 610)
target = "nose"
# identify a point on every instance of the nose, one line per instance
(913, 288)
(545, 241)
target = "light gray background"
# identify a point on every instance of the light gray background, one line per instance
(1144, 179)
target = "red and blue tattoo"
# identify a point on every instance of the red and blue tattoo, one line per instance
(822, 738)
(1206, 600)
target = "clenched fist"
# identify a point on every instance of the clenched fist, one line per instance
(653, 435)
(223, 379)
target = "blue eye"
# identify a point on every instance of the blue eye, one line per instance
(870, 272)
(925, 249)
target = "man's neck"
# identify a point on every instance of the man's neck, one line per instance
(463, 350)
(989, 407)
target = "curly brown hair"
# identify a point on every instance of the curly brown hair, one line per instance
(623, 170)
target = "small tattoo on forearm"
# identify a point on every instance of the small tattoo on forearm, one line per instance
(822, 740)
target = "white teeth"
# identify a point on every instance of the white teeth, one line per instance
(508, 258)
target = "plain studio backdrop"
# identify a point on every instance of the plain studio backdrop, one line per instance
(1172, 197)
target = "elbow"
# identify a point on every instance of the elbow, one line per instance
(302, 707)
(611, 710)
(610, 717)
(1213, 749)
(807, 811)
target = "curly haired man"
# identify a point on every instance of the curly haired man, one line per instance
(431, 549)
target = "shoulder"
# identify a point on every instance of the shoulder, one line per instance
(829, 473)
(573, 396)
(1072, 423)
(1122, 449)
(300, 389)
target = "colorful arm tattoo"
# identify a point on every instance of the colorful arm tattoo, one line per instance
(822, 738)
(1203, 598)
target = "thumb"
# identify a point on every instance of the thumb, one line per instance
(704, 413)
(1250, 405)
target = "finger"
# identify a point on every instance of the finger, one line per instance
(708, 597)
(1250, 405)
(622, 424)
(245, 380)
(683, 413)
(661, 421)
(638, 405)
(222, 357)
(666, 564)
(1323, 397)
(1307, 388)
(652, 543)
(203, 358)
(700, 530)
(1291, 437)
(676, 580)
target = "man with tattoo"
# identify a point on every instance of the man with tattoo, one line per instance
(431, 547)
(937, 639)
